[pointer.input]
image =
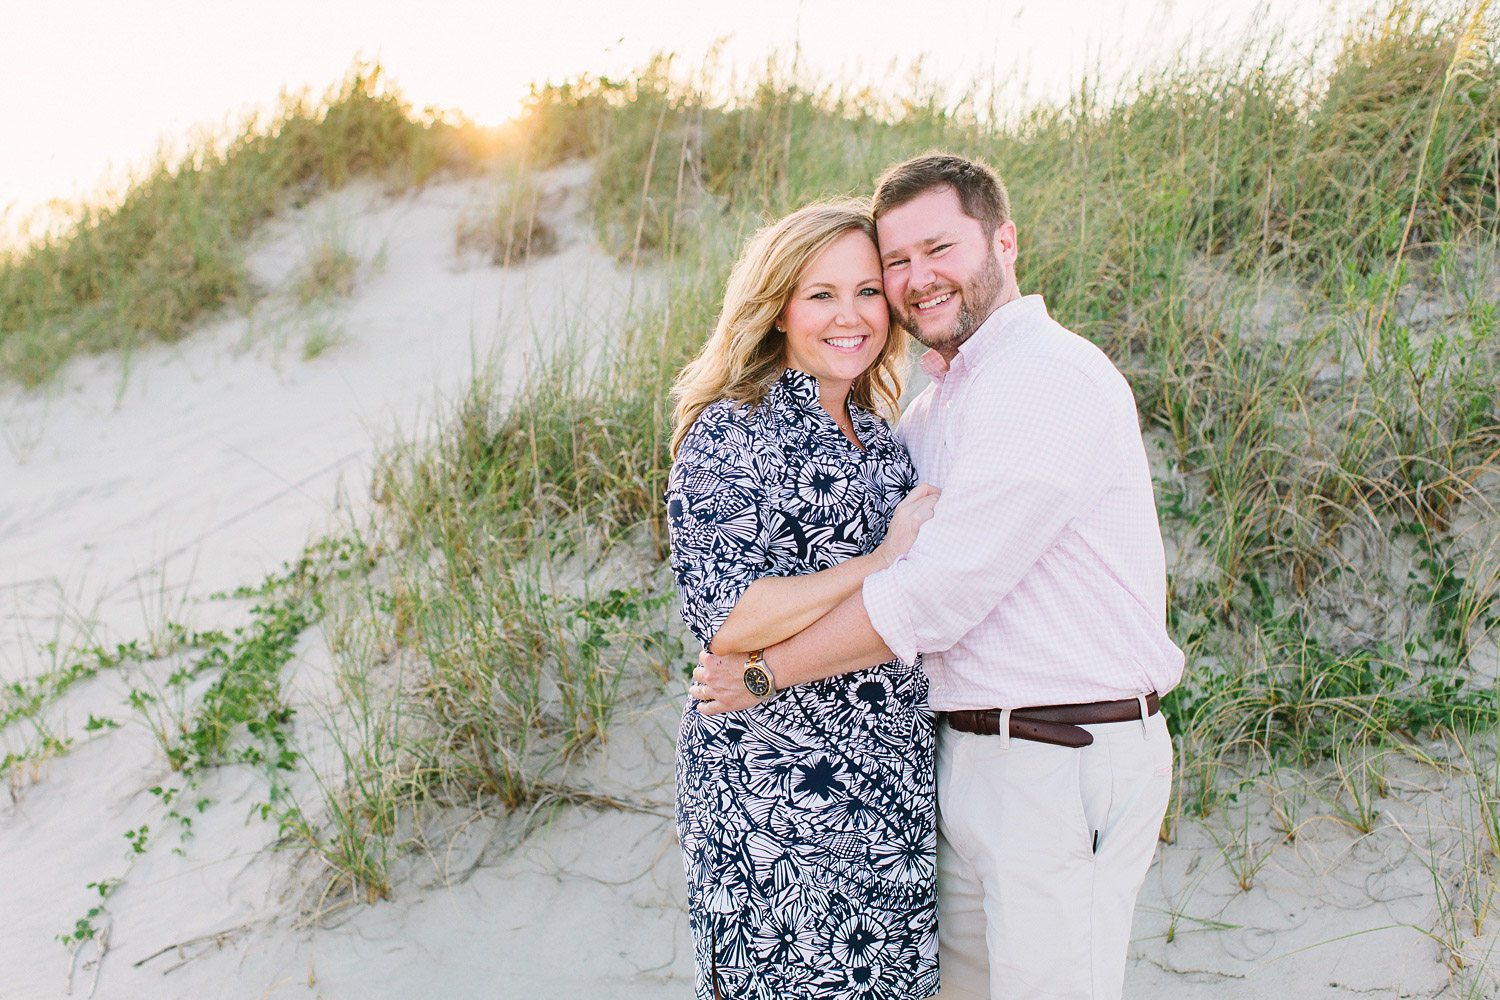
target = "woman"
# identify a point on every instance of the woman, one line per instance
(806, 822)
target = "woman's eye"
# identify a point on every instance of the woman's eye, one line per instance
(821, 295)
(869, 291)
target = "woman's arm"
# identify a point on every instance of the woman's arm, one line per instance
(774, 608)
(840, 641)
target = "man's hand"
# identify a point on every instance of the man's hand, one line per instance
(719, 684)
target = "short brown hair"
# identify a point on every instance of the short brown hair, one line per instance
(979, 189)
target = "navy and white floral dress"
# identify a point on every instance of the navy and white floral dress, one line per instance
(807, 822)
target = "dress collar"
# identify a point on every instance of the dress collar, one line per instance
(799, 388)
(987, 340)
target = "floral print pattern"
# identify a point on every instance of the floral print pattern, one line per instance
(808, 822)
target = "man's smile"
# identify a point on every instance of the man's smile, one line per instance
(932, 301)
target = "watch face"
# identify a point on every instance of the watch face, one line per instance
(757, 681)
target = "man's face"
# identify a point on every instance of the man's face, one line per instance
(942, 276)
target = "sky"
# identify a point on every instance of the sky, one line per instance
(90, 90)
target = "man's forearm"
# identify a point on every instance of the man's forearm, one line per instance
(840, 641)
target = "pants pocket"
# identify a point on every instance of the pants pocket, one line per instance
(1095, 793)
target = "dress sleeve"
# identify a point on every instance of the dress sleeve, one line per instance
(716, 519)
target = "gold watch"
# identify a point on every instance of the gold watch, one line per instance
(757, 676)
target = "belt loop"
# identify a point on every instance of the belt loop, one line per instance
(1145, 716)
(1004, 733)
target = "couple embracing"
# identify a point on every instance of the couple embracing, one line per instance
(925, 724)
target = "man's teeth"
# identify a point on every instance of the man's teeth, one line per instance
(844, 341)
(934, 303)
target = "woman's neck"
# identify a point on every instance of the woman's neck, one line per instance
(834, 398)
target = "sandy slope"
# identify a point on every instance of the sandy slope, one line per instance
(202, 466)
(135, 488)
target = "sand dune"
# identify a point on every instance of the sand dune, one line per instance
(136, 487)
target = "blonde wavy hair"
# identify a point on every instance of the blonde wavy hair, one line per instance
(746, 354)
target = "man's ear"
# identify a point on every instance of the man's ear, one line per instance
(1005, 241)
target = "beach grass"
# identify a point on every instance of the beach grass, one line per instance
(148, 267)
(1291, 249)
(511, 229)
(1295, 266)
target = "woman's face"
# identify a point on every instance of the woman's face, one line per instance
(836, 321)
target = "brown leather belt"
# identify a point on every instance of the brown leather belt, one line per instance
(1057, 724)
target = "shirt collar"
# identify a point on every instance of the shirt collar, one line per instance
(987, 340)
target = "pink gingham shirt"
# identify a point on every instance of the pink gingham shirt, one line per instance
(1040, 579)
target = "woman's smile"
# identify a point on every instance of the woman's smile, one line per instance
(837, 321)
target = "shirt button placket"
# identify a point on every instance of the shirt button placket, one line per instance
(949, 388)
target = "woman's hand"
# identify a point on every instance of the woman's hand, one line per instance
(906, 521)
(719, 685)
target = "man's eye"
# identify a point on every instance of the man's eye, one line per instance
(941, 247)
(891, 265)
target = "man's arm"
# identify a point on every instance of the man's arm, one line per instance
(1034, 454)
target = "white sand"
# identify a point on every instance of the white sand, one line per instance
(136, 487)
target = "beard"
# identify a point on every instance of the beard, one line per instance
(981, 291)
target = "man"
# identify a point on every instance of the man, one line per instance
(1039, 581)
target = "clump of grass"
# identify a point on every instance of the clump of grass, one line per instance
(328, 272)
(146, 269)
(493, 644)
(512, 230)
(319, 337)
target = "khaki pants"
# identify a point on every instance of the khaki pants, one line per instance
(1041, 852)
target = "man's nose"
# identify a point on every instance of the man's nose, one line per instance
(920, 274)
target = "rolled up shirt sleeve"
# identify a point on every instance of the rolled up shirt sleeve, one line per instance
(1029, 454)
